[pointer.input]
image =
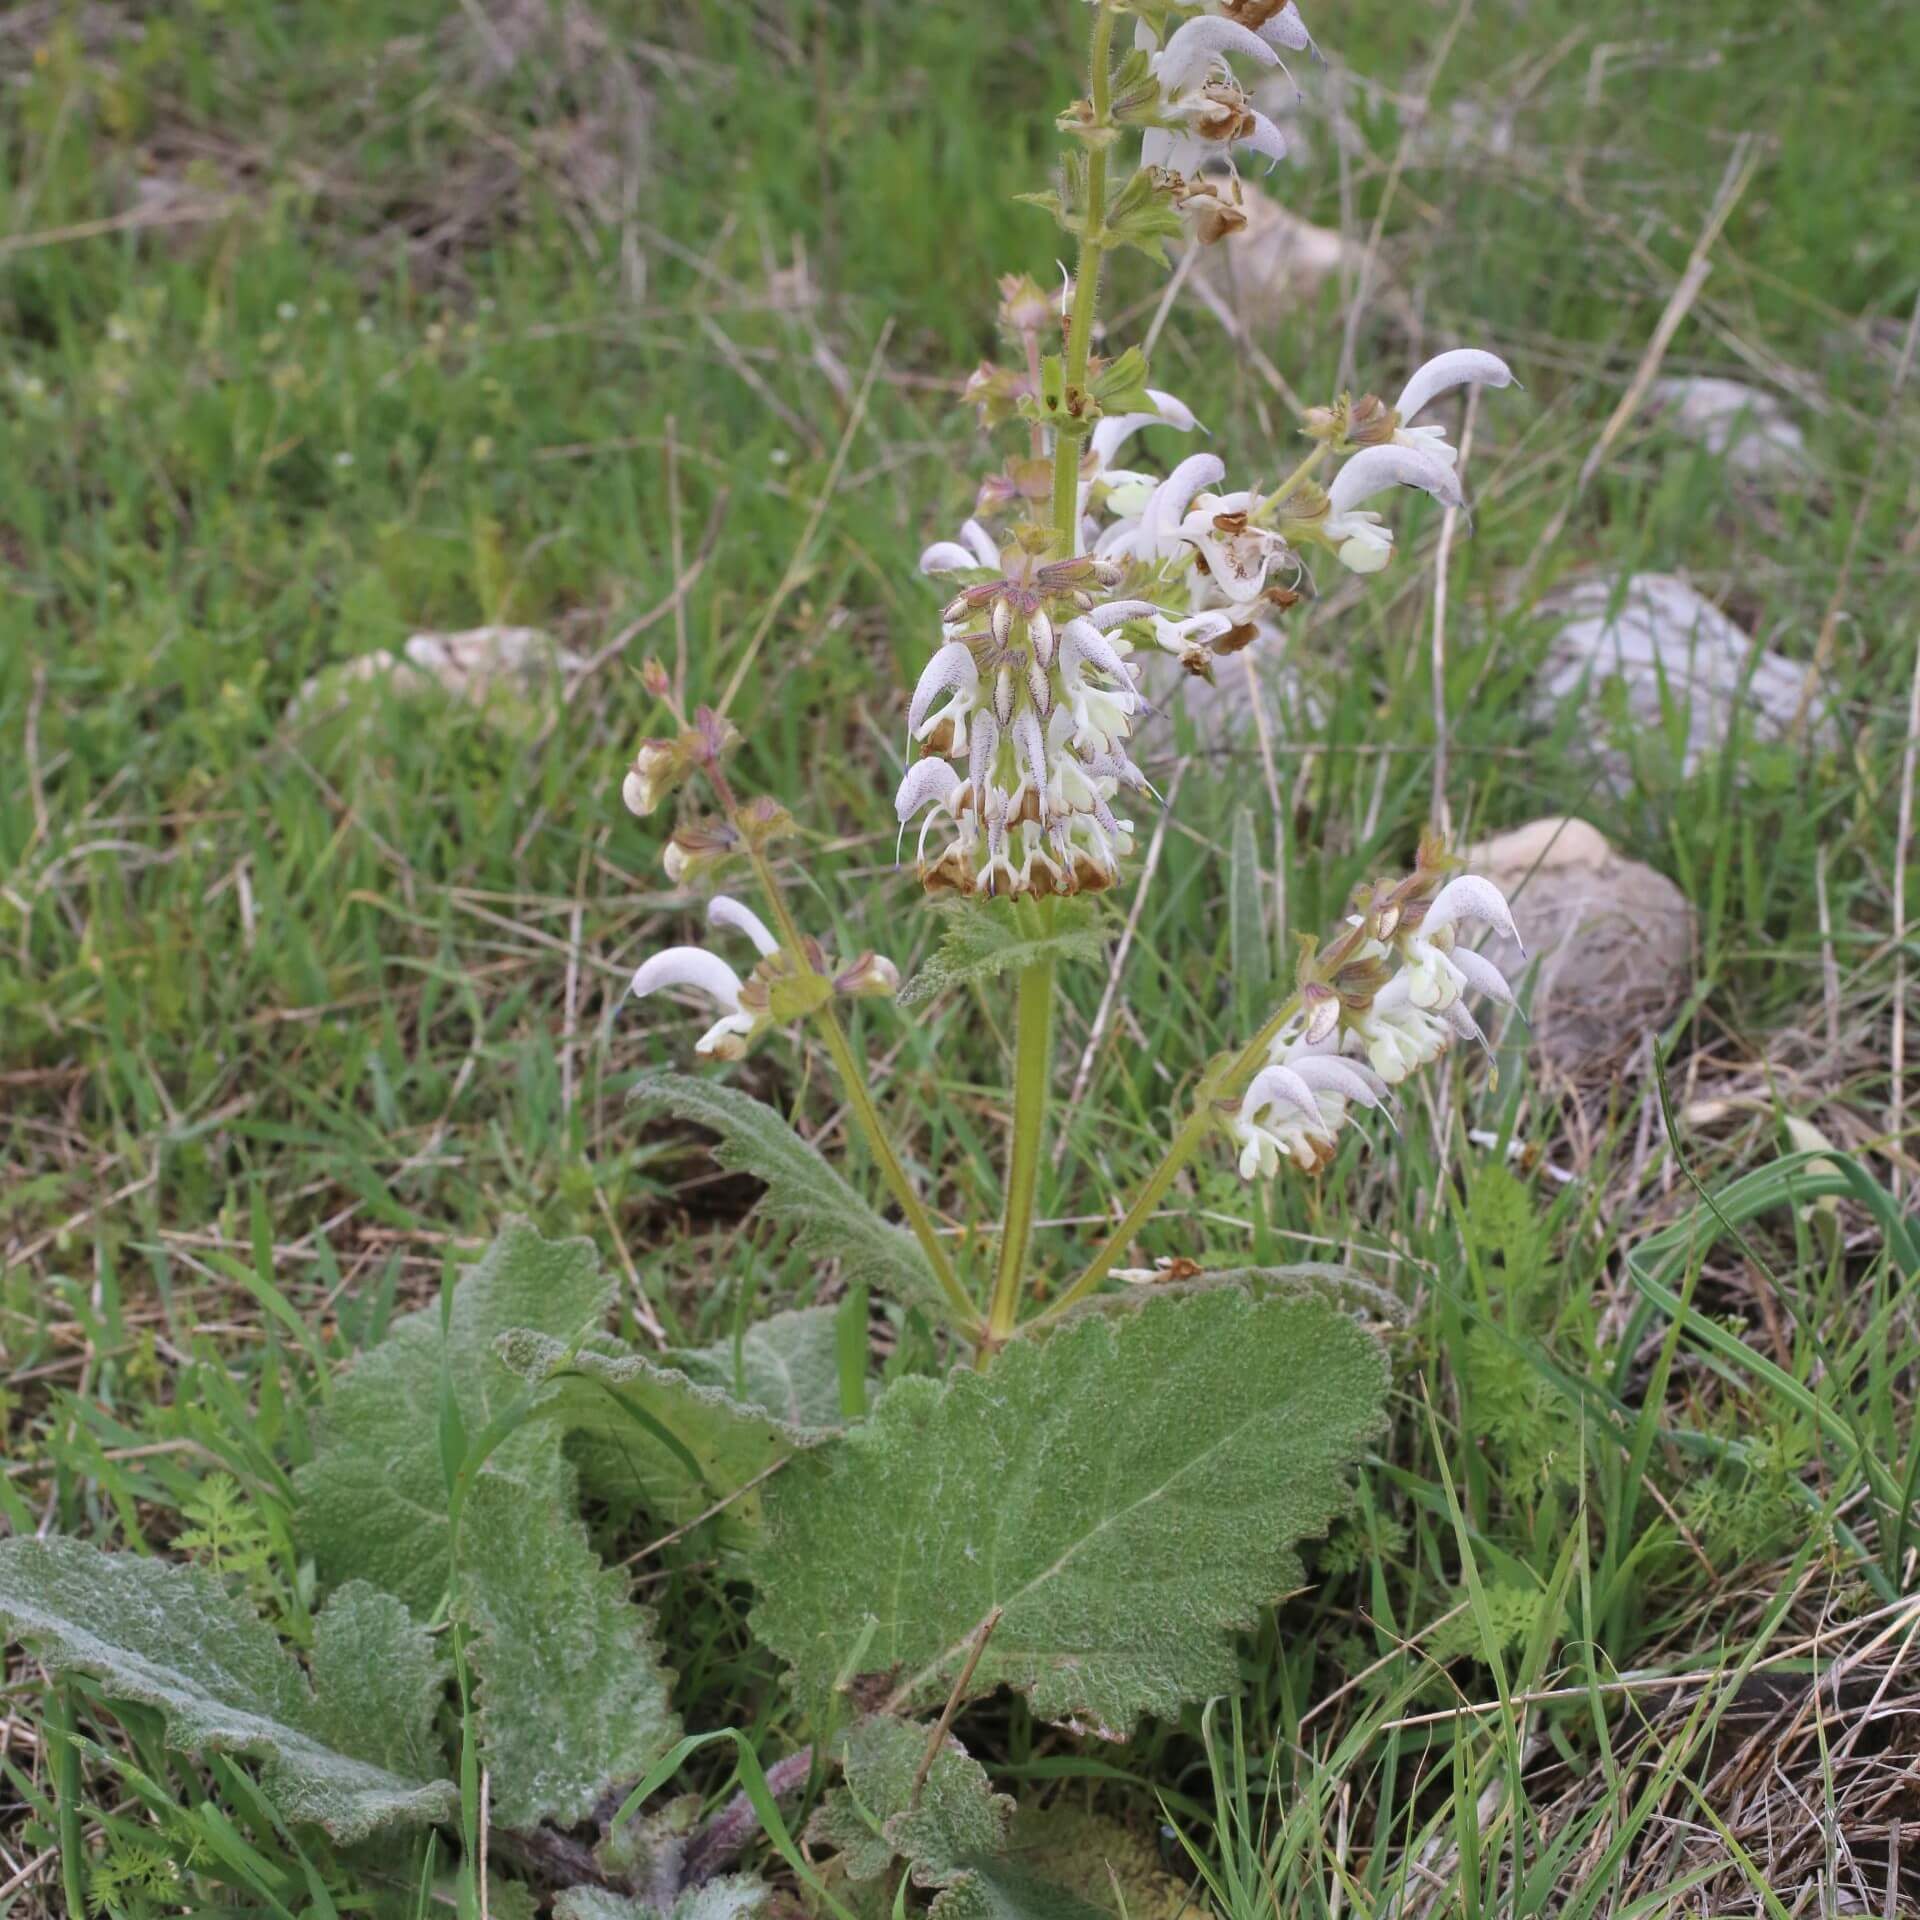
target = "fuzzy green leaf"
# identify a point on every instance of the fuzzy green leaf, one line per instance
(653, 1434)
(953, 1834)
(739, 1896)
(173, 1638)
(374, 1497)
(1128, 1491)
(378, 1680)
(572, 1697)
(788, 1364)
(982, 939)
(874, 1817)
(804, 1194)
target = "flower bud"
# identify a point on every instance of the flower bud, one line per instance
(657, 769)
(1025, 307)
(1003, 696)
(1040, 632)
(1000, 621)
(653, 676)
(698, 847)
(873, 975)
(1370, 421)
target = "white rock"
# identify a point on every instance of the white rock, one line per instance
(1747, 428)
(484, 660)
(478, 666)
(1610, 945)
(1665, 646)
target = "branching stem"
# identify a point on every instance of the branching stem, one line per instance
(1193, 1130)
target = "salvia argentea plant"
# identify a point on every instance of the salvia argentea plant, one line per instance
(1073, 567)
(1096, 1492)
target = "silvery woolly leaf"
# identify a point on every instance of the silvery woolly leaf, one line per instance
(804, 1194)
(374, 1496)
(351, 1752)
(739, 1896)
(572, 1698)
(1128, 1490)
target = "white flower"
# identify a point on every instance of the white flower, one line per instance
(705, 972)
(1398, 1037)
(1206, 107)
(1296, 1107)
(1363, 544)
(657, 769)
(974, 548)
(1208, 537)
(1437, 970)
(1463, 366)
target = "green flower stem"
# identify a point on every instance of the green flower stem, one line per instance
(1033, 1060)
(853, 1083)
(1302, 473)
(1086, 288)
(846, 1063)
(1230, 1085)
(1033, 1064)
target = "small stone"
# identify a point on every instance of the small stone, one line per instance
(1610, 945)
(1662, 646)
(496, 668)
(1748, 429)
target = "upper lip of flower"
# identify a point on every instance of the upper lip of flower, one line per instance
(974, 548)
(1458, 367)
(1374, 469)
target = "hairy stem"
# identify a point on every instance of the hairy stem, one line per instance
(1034, 1047)
(1086, 290)
(1302, 473)
(853, 1081)
(1033, 1063)
(1193, 1130)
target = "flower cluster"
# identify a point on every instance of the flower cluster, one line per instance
(1033, 685)
(1028, 685)
(1383, 1000)
(786, 983)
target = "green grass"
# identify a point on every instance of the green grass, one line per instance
(291, 1013)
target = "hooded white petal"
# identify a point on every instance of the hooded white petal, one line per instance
(1112, 433)
(1084, 642)
(1286, 29)
(724, 911)
(927, 782)
(1463, 366)
(947, 556)
(981, 544)
(1175, 494)
(951, 670)
(1374, 469)
(1266, 139)
(689, 967)
(1116, 613)
(1482, 975)
(1471, 898)
(1194, 49)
